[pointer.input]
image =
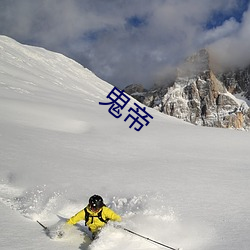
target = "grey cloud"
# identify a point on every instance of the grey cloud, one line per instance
(233, 49)
(101, 35)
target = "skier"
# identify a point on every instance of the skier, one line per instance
(95, 214)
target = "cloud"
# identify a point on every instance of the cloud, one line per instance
(228, 28)
(233, 49)
(121, 41)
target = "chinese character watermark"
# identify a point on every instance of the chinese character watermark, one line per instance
(118, 100)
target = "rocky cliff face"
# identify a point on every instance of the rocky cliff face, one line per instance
(201, 97)
(237, 81)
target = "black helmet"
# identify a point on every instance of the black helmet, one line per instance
(96, 202)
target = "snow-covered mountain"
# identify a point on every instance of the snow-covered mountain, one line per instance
(201, 95)
(182, 185)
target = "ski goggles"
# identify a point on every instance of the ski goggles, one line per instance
(94, 208)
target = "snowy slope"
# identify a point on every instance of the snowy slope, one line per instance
(176, 183)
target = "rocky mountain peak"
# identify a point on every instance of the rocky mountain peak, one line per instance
(200, 96)
(196, 64)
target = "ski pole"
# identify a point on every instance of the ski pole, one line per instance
(146, 238)
(45, 228)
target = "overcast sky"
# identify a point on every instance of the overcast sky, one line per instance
(131, 41)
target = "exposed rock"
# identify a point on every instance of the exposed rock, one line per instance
(237, 81)
(137, 91)
(200, 97)
(133, 88)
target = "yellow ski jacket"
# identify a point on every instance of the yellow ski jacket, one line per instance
(94, 223)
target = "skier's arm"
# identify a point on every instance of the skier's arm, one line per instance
(77, 217)
(110, 214)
